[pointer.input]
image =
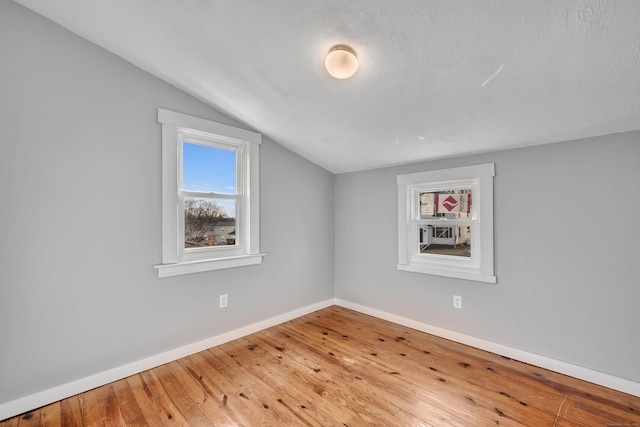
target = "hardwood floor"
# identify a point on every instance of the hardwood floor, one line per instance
(337, 367)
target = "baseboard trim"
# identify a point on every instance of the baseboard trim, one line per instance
(606, 380)
(45, 397)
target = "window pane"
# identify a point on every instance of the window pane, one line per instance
(451, 240)
(452, 204)
(208, 169)
(209, 222)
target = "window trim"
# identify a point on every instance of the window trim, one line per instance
(173, 262)
(478, 267)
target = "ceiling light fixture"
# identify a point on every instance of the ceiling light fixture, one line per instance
(341, 61)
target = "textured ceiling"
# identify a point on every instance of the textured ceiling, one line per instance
(436, 79)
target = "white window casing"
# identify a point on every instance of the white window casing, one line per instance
(176, 260)
(479, 266)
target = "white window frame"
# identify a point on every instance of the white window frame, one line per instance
(176, 129)
(480, 265)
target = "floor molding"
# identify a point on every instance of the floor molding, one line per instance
(45, 397)
(606, 380)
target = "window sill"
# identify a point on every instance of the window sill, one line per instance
(446, 272)
(199, 266)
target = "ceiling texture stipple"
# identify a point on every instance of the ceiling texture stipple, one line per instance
(436, 78)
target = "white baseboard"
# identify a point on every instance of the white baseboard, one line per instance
(45, 397)
(606, 380)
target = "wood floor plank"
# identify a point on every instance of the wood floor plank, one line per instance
(536, 385)
(396, 395)
(285, 408)
(588, 414)
(70, 414)
(519, 371)
(332, 329)
(108, 406)
(154, 414)
(11, 422)
(322, 398)
(207, 403)
(379, 347)
(90, 409)
(422, 381)
(221, 390)
(530, 392)
(316, 372)
(339, 367)
(129, 407)
(50, 415)
(30, 419)
(455, 367)
(353, 384)
(156, 396)
(186, 404)
(405, 419)
(399, 367)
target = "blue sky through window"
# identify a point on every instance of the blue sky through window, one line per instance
(210, 169)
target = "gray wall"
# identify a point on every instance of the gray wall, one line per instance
(566, 247)
(80, 224)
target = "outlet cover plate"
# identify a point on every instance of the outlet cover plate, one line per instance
(457, 302)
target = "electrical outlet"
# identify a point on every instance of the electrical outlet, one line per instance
(457, 301)
(224, 300)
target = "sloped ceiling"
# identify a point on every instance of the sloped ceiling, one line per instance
(436, 79)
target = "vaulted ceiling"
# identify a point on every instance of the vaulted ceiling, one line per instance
(437, 78)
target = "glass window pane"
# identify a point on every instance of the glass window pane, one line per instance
(208, 169)
(209, 222)
(452, 204)
(451, 240)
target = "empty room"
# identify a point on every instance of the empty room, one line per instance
(319, 213)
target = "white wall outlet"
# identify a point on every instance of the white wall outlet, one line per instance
(457, 301)
(224, 300)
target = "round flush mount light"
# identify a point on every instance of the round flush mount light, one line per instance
(341, 61)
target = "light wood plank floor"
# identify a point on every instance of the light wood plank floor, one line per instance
(337, 367)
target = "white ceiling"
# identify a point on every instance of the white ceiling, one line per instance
(437, 78)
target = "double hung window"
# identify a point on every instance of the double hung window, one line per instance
(445, 222)
(210, 217)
